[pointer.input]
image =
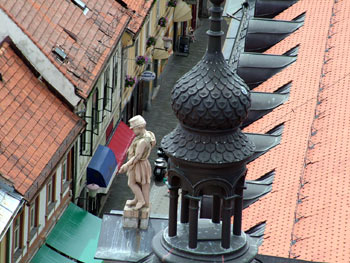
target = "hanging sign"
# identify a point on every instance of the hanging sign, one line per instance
(148, 75)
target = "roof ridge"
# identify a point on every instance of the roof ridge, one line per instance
(37, 44)
(309, 146)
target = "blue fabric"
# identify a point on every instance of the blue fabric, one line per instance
(101, 167)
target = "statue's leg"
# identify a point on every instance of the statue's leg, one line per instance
(135, 188)
(145, 192)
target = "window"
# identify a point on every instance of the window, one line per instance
(255, 189)
(95, 119)
(285, 89)
(125, 65)
(115, 72)
(106, 88)
(265, 142)
(262, 103)
(300, 18)
(148, 29)
(67, 170)
(51, 194)
(136, 48)
(277, 130)
(64, 171)
(158, 10)
(293, 52)
(17, 233)
(33, 217)
(86, 138)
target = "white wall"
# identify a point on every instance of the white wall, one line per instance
(83, 161)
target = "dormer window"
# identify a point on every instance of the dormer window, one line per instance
(81, 5)
(60, 54)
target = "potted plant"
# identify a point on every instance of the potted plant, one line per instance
(171, 3)
(129, 81)
(151, 41)
(163, 21)
(141, 60)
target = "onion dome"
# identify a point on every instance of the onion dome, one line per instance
(210, 101)
(211, 96)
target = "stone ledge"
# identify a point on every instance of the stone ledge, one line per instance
(136, 218)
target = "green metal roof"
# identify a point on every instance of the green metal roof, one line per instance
(47, 255)
(76, 234)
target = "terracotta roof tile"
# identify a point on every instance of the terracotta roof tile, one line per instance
(308, 209)
(141, 8)
(25, 128)
(45, 23)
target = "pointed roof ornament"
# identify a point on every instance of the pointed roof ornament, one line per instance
(211, 102)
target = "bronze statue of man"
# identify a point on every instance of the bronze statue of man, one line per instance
(138, 168)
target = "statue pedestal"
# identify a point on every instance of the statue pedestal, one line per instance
(136, 218)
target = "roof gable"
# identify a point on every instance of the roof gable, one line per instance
(36, 128)
(86, 39)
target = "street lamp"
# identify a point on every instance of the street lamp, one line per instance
(167, 42)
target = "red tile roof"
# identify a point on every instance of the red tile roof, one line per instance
(308, 210)
(35, 126)
(86, 39)
(141, 8)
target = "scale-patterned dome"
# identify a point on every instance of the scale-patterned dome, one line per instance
(211, 96)
(211, 102)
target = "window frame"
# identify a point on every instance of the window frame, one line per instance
(67, 169)
(124, 71)
(106, 87)
(137, 51)
(94, 111)
(17, 238)
(33, 223)
(51, 197)
(158, 10)
(148, 29)
(86, 137)
(64, 171)
(115, 72)
(17, 249)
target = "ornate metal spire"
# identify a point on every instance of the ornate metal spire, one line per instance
(207, 156)
(210, 101)
(215, 33)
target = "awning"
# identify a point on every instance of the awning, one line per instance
(10, 204)
(120, 142)
(101, 167)
(48, 255)
(76, 234)
(159, 51)
(182, 12)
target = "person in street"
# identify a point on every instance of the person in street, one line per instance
(138, 168)
(191, 35)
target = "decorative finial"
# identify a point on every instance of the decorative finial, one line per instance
(215, 32)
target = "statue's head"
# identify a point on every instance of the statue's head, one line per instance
(137, 124)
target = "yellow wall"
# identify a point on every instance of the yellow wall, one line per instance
(3, 249)
(155, 31)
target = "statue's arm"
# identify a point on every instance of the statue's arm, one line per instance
(140, 148)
